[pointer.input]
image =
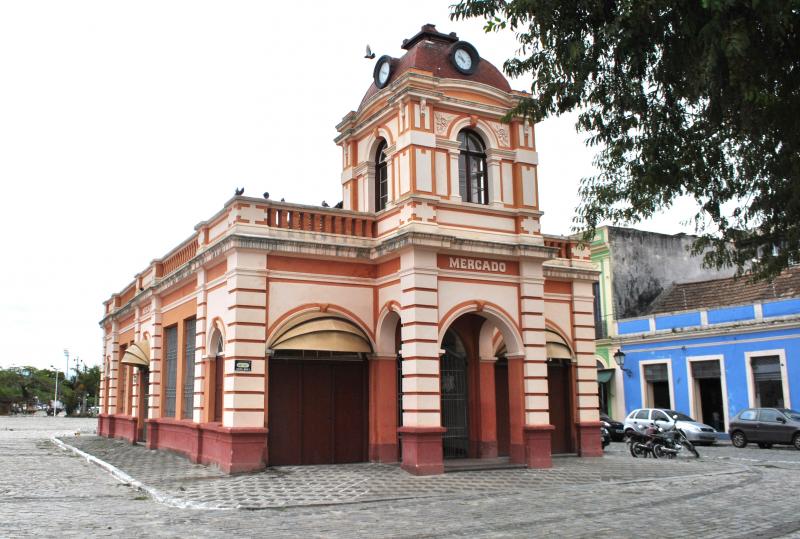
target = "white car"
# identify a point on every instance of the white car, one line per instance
(641, 418)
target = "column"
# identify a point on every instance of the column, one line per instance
(538, 430)
(200, 365)
(487, 447)
(588, 402)
(383, 409)
(114, 369)
(421, 433)
(156, 353)
(455, 190)
(495, 196)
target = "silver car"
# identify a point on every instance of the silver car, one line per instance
(641, 418)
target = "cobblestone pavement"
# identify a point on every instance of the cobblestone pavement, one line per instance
(46, 491)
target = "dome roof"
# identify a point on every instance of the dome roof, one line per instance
(429, 50)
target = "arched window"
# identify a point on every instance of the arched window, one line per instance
(381, 177)
(472, 168)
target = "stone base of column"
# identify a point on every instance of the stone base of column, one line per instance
(589, 439)
(422, 450)
(538, 446)
(151, 441)
(516, 453)
(487, 449)
(383, 452)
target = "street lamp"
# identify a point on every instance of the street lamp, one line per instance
(619, 357)
(55, 397)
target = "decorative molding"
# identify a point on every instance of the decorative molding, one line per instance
(441, 121)
(501, 130)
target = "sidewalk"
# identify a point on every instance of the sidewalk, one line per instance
(175, 481)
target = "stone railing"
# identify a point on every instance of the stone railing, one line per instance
(177, 258)
(331, 221)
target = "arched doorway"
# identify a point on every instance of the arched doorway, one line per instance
(560, 394)
(453, 375)
(318, 389)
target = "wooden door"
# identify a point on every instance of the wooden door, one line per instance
(219, 387)
(560, 397)
(501, 407)
(317, 412)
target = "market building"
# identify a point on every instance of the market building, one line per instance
(713, 348)
(428, 318)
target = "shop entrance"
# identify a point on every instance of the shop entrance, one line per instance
(708, 393)
(317, 408)
(559, 388)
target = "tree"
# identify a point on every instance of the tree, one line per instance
(80, 387)
(697, 98)
(25, 385)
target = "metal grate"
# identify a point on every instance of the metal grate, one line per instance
(455, 441)
(766, 369)
(171, 365)
(705, 369)
(656, 373)
(189, 332)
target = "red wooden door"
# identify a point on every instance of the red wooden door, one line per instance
(501, 406)
(558, 382)
(219, 378)
(284, 412)
(317, 412)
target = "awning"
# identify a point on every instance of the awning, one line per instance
(605, 375)
(324, 333)
(137, 354)
(557, 347)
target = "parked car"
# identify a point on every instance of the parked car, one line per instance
(695, 432)
(765, 426)
(616, 429)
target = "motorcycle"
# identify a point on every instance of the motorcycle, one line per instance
(605, 437)
(668, 443)
(640, 444)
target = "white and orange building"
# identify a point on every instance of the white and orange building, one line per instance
(428, 318)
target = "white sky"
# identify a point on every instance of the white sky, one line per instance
(123, 124)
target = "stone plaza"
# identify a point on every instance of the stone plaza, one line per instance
(49, 490)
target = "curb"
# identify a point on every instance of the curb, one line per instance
(122, 477)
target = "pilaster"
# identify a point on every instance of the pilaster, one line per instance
(244, 391)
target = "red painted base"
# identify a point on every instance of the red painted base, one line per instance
(383, 452)
(537, 446)
(422, 450)
(233, 450)
(516, 453)
(117, 426)
(487, 449)
(589, 439)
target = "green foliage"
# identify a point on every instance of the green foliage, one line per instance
(681, 97)
(81, 388)
(25, 385)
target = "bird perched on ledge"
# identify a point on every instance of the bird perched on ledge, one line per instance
(239, 191)
(266, 195)
(370, 55)
(325, 204)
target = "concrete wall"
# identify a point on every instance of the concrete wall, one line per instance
(644, 264)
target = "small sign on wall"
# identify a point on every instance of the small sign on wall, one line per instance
(243, 365)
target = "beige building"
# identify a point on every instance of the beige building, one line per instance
(428, 318)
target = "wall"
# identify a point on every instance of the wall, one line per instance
(732, 347)
(644, 264)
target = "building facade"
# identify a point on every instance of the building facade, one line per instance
(427, 318)
(710, 349)
(636, 268)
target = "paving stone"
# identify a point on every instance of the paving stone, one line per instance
(47, 492)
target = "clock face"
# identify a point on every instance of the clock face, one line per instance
(383, 72)
(463, 59)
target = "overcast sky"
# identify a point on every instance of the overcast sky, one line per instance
(122, 125)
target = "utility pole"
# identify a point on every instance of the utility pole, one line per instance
(55, 397)
(66, 373)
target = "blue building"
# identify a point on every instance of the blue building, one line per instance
(712, 348)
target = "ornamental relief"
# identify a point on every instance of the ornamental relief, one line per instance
(441, 121)
(501, 130)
